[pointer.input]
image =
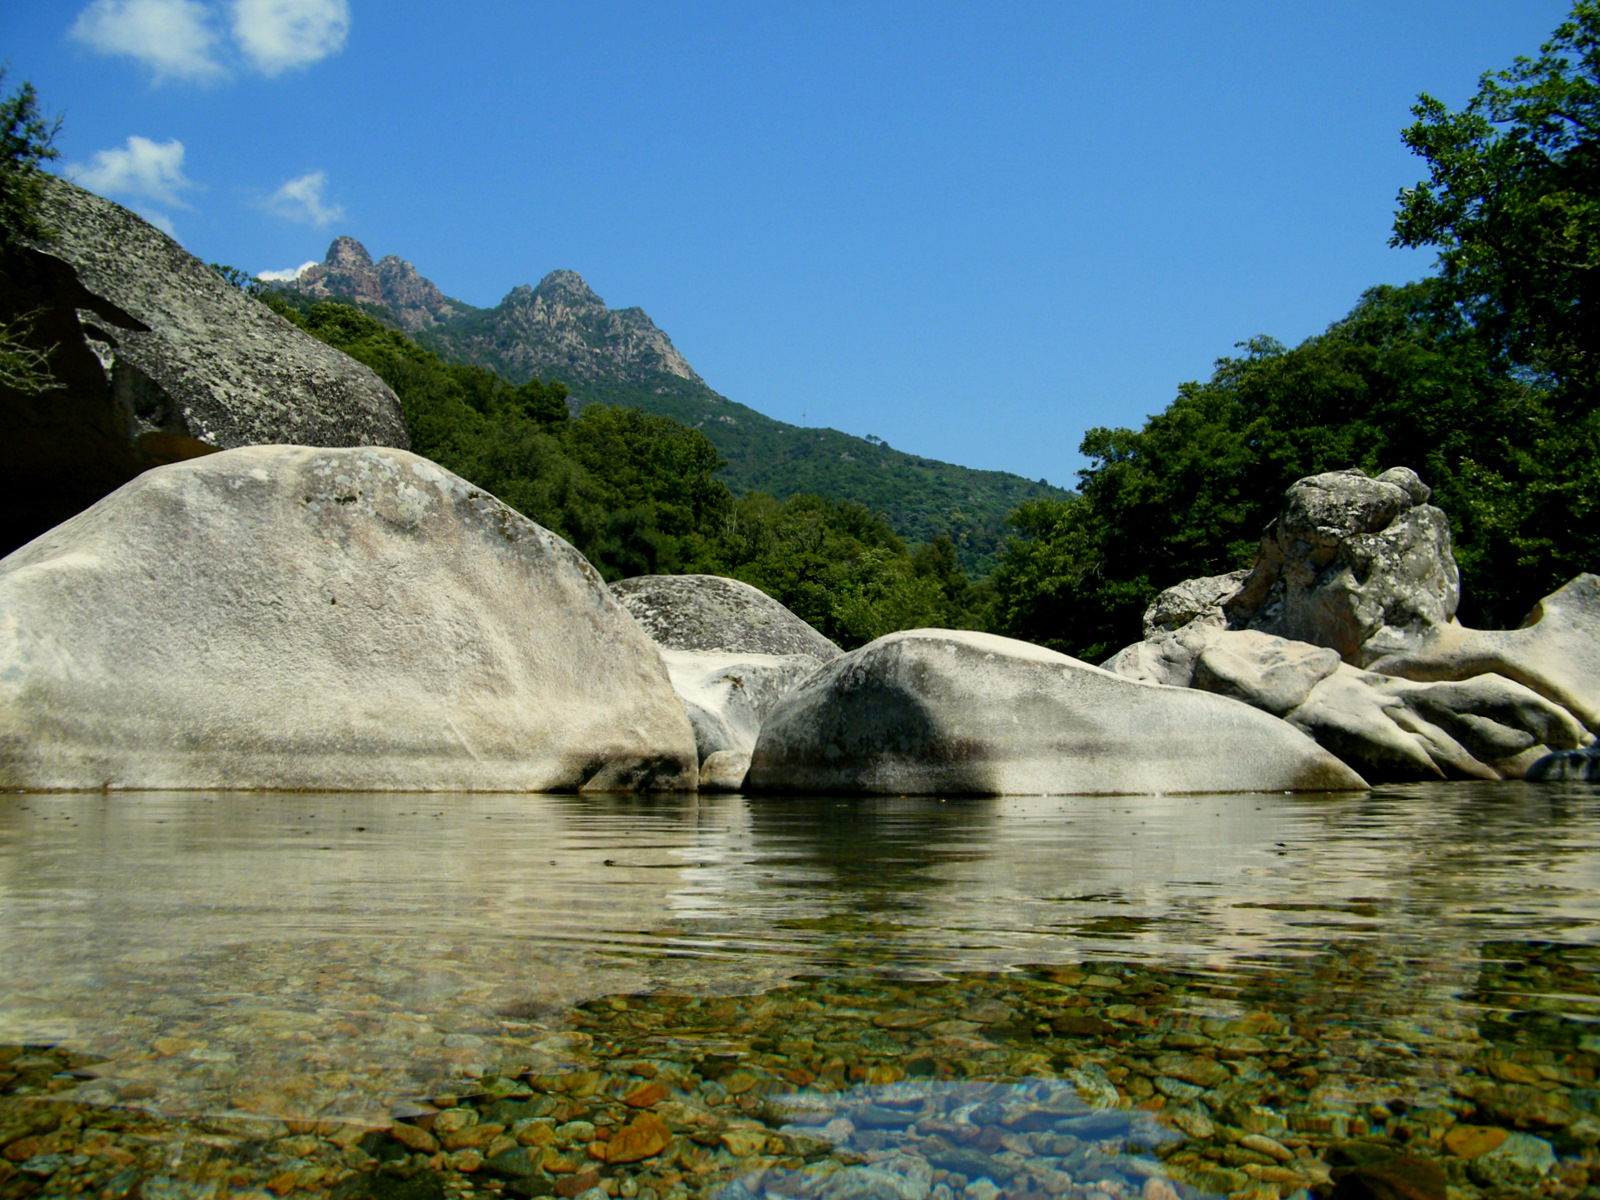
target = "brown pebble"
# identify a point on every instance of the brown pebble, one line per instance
(571, 1185)
(1469, 1141)
(646, 1135)
(646, 1096)
(1403, 1178)
(418, 1141)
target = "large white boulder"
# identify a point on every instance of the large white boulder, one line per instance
(287, 617)
(933, 711)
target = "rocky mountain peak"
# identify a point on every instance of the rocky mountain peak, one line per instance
(348, 270)
(567, 287)
(347, 254)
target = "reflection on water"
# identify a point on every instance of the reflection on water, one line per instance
(300, 955)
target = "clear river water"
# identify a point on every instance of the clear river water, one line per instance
(1405, 969)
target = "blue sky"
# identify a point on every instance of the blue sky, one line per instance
(972, 230)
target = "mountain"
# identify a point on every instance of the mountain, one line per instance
(562, 330)
(348, 272)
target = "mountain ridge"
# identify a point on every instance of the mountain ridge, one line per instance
(560, 329)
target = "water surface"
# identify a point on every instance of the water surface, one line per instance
(331, 954)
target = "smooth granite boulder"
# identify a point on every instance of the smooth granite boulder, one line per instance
(726, 696)
(287, 617)
(1270, 673)
(724, 771)
(1359, 565)
(1556, 652)
(159, 359)
(1483, 727)
(1393, 730)
(726, 616)
(934, 711)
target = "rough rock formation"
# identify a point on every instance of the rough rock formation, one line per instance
(159, 360)
(1362, 566)
(942, 712)
(562, 330)
(348, 270)
(1360, 570)
(727, 696)
(726, 616)
(288, 617)
(1194, 602)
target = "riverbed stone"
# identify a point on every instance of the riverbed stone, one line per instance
(343, 619)
(952, 712)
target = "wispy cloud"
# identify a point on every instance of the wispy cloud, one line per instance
(179, 39)
(172, 37)
(287, 274)
(279, 35)
(301, 200)
(142, 169)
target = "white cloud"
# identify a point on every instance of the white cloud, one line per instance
(171, 37)
(288, 274)
(277, 35)
(145, 169)
(301, 200)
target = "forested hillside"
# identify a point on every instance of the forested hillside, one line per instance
(562, 330)
(637, 493)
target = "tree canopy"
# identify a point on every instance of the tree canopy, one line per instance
(1513, 204)
(1403, 380)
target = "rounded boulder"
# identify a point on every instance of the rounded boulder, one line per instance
(348, 619)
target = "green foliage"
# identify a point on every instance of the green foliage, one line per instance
(1513, 203)
(25, 367)
(840, 566)
(27, 140)
(243, 280)
(1404, 380)
(638, 493)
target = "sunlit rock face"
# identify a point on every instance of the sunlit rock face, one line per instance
(287, 617)
(1356, 564)
(949, 712)
(159, 360)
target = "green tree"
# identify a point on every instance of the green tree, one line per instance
(1513, 204)
(27, 140)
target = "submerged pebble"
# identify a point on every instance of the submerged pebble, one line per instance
(1102, 1082)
